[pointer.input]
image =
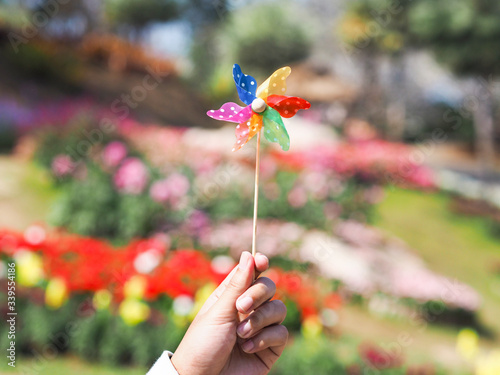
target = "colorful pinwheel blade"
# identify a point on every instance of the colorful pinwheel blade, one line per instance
(274, 129)
(245, 85)
(247, 130)
(231, 112)
(275, 84)
(287, 106)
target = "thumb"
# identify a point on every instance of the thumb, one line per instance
(241, 281)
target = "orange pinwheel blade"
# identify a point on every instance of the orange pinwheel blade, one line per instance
(287, 106)
(275, 84)
(247, 130)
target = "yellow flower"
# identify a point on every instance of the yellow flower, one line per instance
(102, 299)
(201, 297)
(488, 364)
(56, 293)
(133, 311)
(29, 268)
(467, 344)
(311, 327)
(135, 287)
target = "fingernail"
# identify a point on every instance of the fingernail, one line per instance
(244, 329)
(244, 304)
(247, 346)
(244, 259)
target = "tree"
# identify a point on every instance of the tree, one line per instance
(464, 35)
(136, 14)
(263, 37)
(372, 29)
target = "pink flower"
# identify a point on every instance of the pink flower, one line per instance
(178, 185)
(170, 189)
(297, 197)
(131, 177)
(62, 165)
(197, 223)
(159, 191)
(114, 153)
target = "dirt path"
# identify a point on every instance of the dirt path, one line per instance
(25, 194)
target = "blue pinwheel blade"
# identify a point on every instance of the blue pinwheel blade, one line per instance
(245, 85)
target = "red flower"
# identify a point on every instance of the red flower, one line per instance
(376, 357)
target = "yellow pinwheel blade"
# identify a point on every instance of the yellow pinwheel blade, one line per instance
(275, 84)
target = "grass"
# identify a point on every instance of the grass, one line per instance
(456, 246)
(64, 366)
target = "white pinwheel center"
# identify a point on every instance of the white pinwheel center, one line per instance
(259, 105)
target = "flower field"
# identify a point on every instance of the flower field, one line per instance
(147, 220)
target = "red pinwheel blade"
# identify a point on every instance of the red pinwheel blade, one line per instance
(287, 106)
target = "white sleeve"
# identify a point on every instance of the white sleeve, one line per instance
(163, 366)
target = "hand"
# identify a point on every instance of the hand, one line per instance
(238, 330)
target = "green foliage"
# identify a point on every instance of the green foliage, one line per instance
(93, 335)
(138, 13)
(76, 138)
(292, 320)
(261, 38)
(351, 202)
(43, 61)
(265, 37)
(93, 207)
(375, 25)
(304, 356)
(89, 203)
(40, 327)
(464, 34)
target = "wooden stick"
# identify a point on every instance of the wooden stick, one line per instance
(256, 194)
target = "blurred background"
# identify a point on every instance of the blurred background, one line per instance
(122, 205)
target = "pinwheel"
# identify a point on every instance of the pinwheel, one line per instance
(265, 107)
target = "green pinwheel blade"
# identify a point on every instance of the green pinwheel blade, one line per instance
(274, 129)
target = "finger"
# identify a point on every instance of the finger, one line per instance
(262, 290)
(272, 312)
(274, 337)
(240, 282)
(261, 264)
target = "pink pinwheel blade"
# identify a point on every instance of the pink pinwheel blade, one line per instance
(231, 112)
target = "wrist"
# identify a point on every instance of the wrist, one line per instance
(173, 360)
(181, 365)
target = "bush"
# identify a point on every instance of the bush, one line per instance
(304, 356)
(44, 61)
(107, 191)
(93, 207)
